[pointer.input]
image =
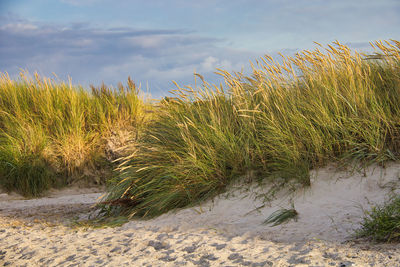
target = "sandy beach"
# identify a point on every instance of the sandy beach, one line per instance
(226, 231)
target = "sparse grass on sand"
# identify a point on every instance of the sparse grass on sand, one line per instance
(281, 216)
(382, 222)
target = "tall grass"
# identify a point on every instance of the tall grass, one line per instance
(330, 104)
(53, 133)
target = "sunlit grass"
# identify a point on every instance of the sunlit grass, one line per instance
(330, 104)
(53, 133)
(327, 105)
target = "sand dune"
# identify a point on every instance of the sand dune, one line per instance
(226, 231)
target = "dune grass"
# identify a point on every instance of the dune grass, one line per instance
(53, 133)
(382, 223)
(281, 216)
(330, 104)
(326, 105)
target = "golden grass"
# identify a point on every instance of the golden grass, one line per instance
(330, 104)
(53, 133)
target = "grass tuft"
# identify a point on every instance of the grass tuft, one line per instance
(382, 223)
(281, 216)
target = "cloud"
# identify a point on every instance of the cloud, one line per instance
(18, 27)
(92, 55)
(151, 56)
(79, 2)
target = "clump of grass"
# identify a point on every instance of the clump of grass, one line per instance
(53, 133)
(186, 154)
(281, 216)
(285, 119)
(22, 164)
(382, 223)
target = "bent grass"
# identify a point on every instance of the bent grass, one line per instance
(281, 216)
(330, 104)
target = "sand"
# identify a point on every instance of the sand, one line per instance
(226, 231)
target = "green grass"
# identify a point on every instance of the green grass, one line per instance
(382, 223)
(281, 216)
(281, 122)
(327, 105)
(53, 133)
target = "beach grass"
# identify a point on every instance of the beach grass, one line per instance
(53, 133)
(326, 105)
(382, 222)
(291, 115)
(281, 216)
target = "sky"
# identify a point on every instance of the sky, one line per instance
(160, 41)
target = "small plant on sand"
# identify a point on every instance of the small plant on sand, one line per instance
(382, 223)
(281, 216)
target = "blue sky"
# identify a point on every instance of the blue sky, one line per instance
(157, 41)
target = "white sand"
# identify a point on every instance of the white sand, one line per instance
(225, 232)
(330, 209)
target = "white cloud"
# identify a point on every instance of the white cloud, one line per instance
(209, 64)
(151, 41)
(89, 55)
(79, 2)
(19, 27)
